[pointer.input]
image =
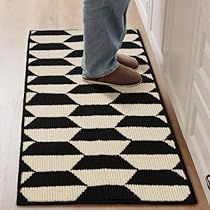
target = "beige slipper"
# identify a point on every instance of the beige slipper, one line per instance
(127, 61)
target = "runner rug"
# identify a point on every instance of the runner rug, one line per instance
(85, 143)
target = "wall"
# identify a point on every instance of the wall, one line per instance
(152, 13)
(187, 73)
(179, 32)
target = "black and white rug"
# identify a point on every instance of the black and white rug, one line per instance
(84, 143)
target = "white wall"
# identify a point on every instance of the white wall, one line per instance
(152, 13)
(143, 7)
(157, 23)
(187, 73)
(179, 33)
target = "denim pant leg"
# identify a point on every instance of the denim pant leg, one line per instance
(104, 30)
(125, 23)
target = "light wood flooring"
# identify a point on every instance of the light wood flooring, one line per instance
(17, 17)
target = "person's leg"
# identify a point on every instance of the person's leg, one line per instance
(104, 30)
(122, 58)
(125, 22)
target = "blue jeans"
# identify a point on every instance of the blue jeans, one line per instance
(104, 30)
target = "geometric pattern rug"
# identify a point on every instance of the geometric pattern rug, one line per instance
(86, 143)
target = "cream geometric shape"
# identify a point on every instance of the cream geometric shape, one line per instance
(93, 99)
(51, 110)
(96, 121)
(31, 78)
(26, 175)
(29, 96)
(50, 70)
(155, 94)
(77, 78)
(130, 37)
(26, 145)
(46, 163)
(152, 162)
(28, 120)
(180, 172)
(160, 193)
(99, 147)
(50, 54)
(144, 133)
(77, 61)
(42, 39)
(56, 89)
(138, 109)
(75, 45)
(52, 193)
(141, 88)
(131, 52)
(143, 68)
(52, 134)
(100, 177)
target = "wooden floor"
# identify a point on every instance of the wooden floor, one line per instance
(16, 19)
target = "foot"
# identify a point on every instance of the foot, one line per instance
(123, 75)
(127, 61)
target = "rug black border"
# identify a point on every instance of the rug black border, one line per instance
(117, 202)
